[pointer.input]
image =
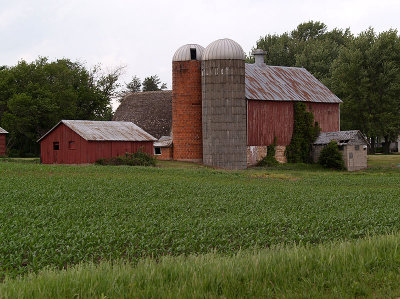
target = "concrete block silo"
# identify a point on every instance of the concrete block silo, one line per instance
(224, 110)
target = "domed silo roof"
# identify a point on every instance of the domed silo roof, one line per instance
(223, 49)
(188, 52)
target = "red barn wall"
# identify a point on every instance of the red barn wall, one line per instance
(267, 119)
(327, 116)
(2, 144)
(84, 151)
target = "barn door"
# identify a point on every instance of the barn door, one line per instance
(56, 149)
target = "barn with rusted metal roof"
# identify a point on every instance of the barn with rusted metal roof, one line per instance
(3, 148)
(84, 141)
(225, 112)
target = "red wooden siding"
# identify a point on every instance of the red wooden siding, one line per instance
(83, 151)
(327, 116)
(2, 144)
(267, 119)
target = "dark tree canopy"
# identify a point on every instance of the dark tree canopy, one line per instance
(366, 76)
(153, 83)
(134, 85)
(35, 96)
(363, 70)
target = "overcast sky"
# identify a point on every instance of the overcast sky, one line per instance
(143, 35)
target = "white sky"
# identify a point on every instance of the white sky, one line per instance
(143, 35)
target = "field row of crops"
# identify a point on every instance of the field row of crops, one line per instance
(360, 268)
(63, 215)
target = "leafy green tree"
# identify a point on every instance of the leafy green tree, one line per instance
(366, 76)
(310, 45)
(153, 83)
(35, 96)
(134, 85)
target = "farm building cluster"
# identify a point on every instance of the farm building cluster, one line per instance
(221, 112)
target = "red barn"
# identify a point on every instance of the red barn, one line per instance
(271, 92)
(3, 148)
(83, 141)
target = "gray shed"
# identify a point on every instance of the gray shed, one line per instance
(352, 144)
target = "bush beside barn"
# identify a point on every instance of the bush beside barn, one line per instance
(352, 144)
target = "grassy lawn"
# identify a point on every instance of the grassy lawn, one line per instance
(58, 216)
(384, 160)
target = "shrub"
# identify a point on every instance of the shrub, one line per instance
(331, 157)
(139, 158)
(269, 159)
(305, 131)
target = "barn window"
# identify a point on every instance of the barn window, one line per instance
(71, 145)
(56, 146)
(357, 147)
(193, 54)
(157, 151)
(350, 155)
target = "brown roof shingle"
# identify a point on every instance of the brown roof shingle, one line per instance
(151, 110)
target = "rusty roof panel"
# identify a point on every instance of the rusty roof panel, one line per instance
(2, 131)
(106, 130)
(280, 83)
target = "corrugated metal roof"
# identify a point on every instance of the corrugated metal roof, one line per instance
(224, 49)
(164, 141)
(340, 137)
(2, 131)
(183, 53)
(279, 83)
(106, 130)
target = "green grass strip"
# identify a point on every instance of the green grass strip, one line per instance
(367, 267)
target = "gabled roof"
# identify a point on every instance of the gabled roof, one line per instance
(165, 141)
(280, 83)
(105, 130)
(342, 137)
(151, 110)
(2, 131)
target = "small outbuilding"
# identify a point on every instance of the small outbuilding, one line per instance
(163, 148)
(3, 147)
(352, 144)
(86, 141)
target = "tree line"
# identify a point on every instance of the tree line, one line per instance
(363, 70)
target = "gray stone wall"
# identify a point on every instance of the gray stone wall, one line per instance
(224, 114)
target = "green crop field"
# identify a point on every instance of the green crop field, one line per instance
(58, 216)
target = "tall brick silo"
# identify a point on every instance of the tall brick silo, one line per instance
(224, 109)
(186, 103)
